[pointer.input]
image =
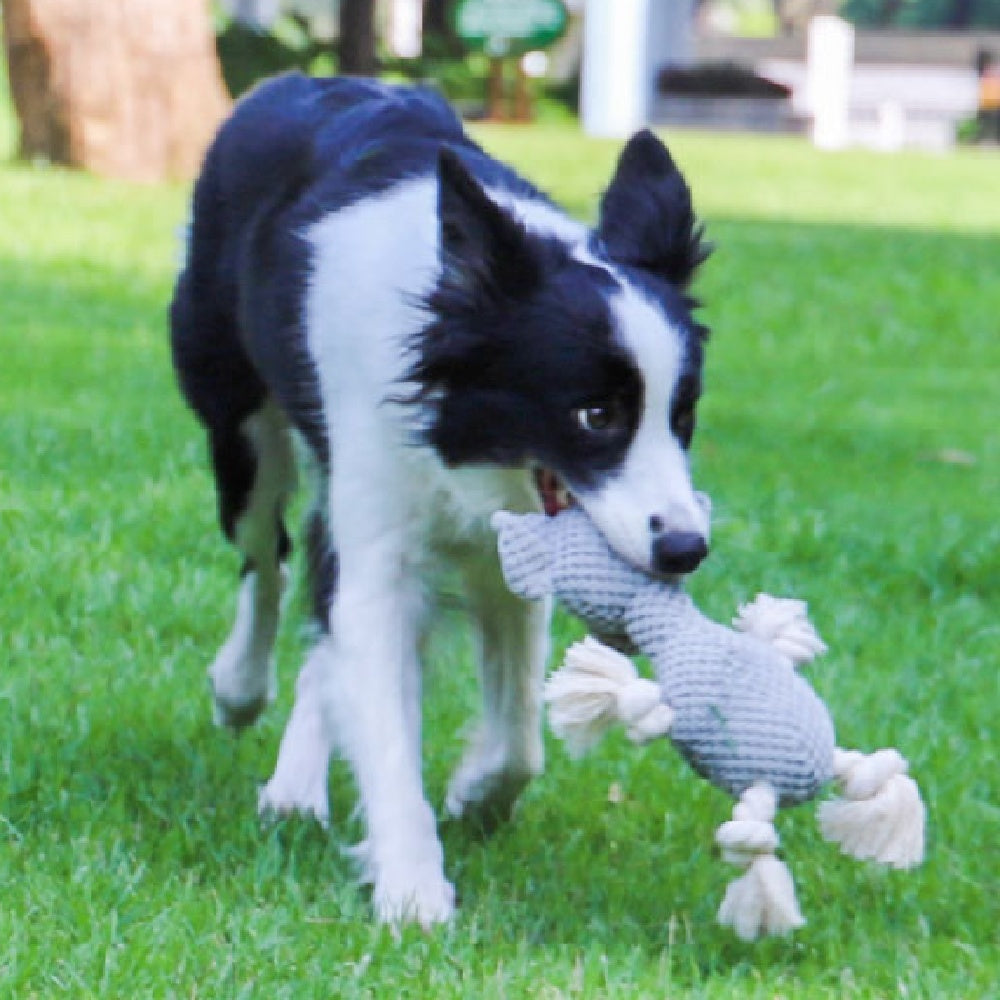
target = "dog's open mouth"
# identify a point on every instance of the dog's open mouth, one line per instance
(554, 495)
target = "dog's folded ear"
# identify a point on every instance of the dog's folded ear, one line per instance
(486, 253)
(646, 217)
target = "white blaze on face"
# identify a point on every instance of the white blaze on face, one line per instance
(653, 483)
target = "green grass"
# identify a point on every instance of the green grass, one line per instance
(855, 309)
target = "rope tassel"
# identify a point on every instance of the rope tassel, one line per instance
(881, 815)
(597, 688)
(784, 623)
(762, 900)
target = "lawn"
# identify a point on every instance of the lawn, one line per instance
(850, 439)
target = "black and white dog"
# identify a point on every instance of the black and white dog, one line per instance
(447, 343)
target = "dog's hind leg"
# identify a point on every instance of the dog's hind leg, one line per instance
(254, 467)
(506, 751)
(255, 470)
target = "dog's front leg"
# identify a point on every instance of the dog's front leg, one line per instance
(506, 751)
(373, 695)
(300, 779)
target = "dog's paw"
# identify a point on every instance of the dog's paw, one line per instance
(237, 715)
(304, 795)
(485, 788)
(408, 883)
(420, 895)
(273, 803)
(241, 688)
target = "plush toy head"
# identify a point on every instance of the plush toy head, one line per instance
(567, 557)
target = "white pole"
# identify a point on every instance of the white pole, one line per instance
(614, 96)
(829, 63)
(405, 22)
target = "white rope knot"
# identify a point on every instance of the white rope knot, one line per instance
(596, 688)
(881, 816)
(783, 623)
(762, 900)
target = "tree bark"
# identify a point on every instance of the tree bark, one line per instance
(960, 14)
(436, 16)
(439, 37)
(357, 38)
(124, 88)
(889, 12)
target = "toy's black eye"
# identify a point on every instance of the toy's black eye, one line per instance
(601, 418)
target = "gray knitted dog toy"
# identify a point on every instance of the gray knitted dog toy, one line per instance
(730, 701)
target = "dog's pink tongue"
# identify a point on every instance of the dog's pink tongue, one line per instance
(550, 491)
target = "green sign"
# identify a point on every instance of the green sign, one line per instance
(509, 27)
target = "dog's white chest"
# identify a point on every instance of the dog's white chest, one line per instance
(461, 502)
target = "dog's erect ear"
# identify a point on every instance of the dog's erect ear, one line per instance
(646, 218)
(485, 252)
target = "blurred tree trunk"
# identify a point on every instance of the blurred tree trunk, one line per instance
(439, 37)
(960, 15)
(436, 17)
(357, 38)
(785, 24)
(889, 12)
(125, 88)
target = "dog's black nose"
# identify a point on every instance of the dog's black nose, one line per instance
(678, 552)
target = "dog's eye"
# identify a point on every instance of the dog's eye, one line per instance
(601, 418)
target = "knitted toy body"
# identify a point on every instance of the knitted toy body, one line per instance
(731, 701)
(741, 714)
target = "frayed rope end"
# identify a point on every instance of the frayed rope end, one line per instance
(762, 900)
(597, 688)
(881, 816)
(783, 623)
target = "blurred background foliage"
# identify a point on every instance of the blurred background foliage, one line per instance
(297, 40)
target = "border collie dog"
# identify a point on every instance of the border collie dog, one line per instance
(446, 342)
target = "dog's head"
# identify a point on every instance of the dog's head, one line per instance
(580, 358)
